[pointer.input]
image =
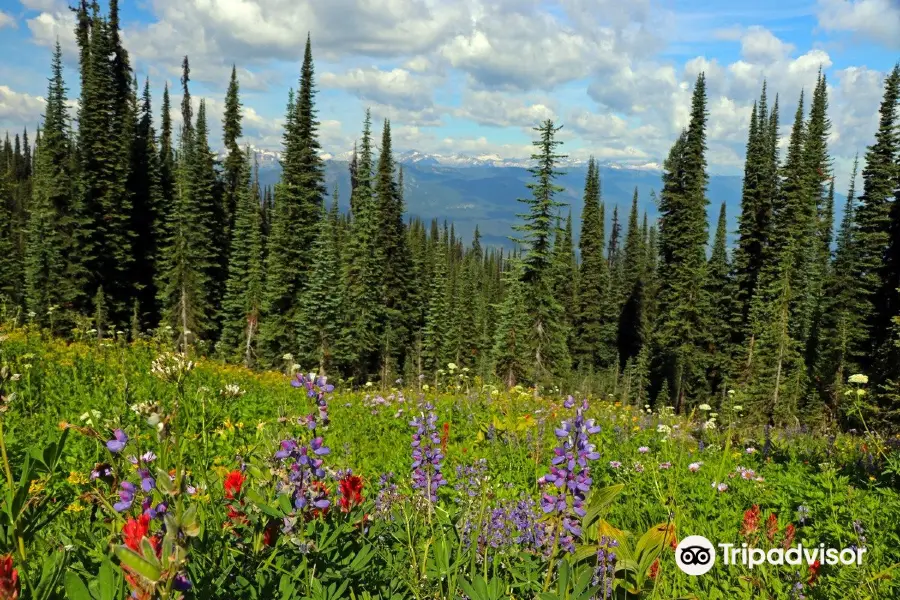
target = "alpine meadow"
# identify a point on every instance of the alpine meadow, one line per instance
(216, 387)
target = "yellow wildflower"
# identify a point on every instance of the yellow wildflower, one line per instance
(260, 425)
(239, 425)
(36, 487)
(75, 507)
(76, 478)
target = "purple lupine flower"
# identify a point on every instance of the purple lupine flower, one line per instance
(427, 458)
(304, 473)
(126, 496)
(387, 495)
(148, 483)
(182, 583)
(569, 403)
(117, 444)
(318, 388)
(470, 479)
(605, 573)
(568, 482)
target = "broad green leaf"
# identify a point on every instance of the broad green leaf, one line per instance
(137, 563)
(600, 499)
(76, 588)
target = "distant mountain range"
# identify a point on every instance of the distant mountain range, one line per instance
(483, 190)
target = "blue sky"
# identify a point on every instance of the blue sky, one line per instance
(473, 76)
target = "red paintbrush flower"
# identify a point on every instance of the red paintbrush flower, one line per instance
(351, 492)
(771, 526)
(789, 532)
(135, 530)
(233, 484)
(654, 569)
(813, 572)
(9, 579)
(445, 437)
(751, 521)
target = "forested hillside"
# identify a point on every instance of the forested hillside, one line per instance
(114, 223)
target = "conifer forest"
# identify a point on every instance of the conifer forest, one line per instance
(158, 299)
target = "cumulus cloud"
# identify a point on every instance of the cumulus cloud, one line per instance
(498, 109)
(52, 25)
(877, 20)
(397, 87)
(6, 20)
(18, 109)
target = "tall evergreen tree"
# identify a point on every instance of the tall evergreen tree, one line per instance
(49, 250)
(841, 314)
(234, 161)
(721, 293)
(549, 331)
(244, 287)
(360, 278)
(682, 332)
(632, 318)
(511, 352)
(298, 207)
(321, 311)
(147, 214)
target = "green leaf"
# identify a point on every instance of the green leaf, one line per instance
(106, 580)
(138, 563)
(260, 502)
(163, 482)
(600, 499)
(190, 524)
(76, 588)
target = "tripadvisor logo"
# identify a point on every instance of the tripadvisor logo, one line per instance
(695, 555)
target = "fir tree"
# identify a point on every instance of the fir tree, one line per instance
(360, 278)
(147, 215)
(243, 289)
(511, 352)
(298, 207)
(721, 293)
(631, 330)
(682, 332)
(233, 166)
(49, 260)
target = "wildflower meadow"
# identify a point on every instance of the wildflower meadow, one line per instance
(131, 471)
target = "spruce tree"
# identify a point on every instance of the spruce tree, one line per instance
(360, 278)
(434, 340)
(244, 287)
(49, 258)
(147, 214)
(721, 293)
(841, 313)
(682, 333)
(393, 261)
(298, 208)
(632, 318)
(233, 175)
(512, 346)
(321, 310)
(184, 290)
(549, 331)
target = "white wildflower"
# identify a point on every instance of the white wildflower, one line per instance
(859, 378)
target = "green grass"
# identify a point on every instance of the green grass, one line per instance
(67, 541)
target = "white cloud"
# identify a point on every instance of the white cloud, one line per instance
(48, 27)
(7, 20)
(397, 87)
(498, 109)
(18, 110)
(877, 20)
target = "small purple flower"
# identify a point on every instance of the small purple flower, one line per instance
(182, 583)
(148, 457)
(570, 402)
(751, 450)
(694, 467)
(118, 443)
(126, 496)
(664, 466)
(638, 468)
(643, 449)
(148, 483)
(615, 464)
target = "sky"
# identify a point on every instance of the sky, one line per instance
(474, 76)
